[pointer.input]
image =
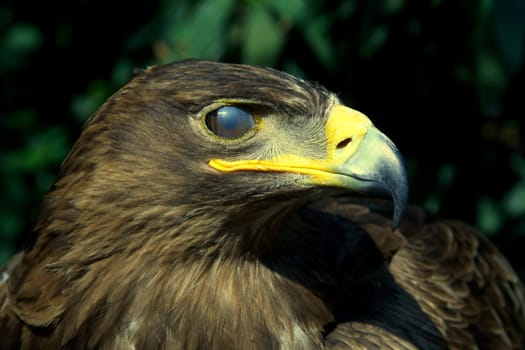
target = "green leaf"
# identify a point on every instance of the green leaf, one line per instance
(10, 224)
(514, 201)
(84, 105)
(517, 163)
(492, 79)
(293, 11)
(317, 35)
(263, 39)
(371, 44)
(202, 33)
(22, 119)
(432, 202)
(346, 9)
(446, 175)
(392, 6)
(23, 38)
(15, 191)
(19, 41)
(122, 72)
(44, 179)
(293, 68)
(46, 148)
(509, 27)
(488, 216)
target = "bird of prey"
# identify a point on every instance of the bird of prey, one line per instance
(221, 206)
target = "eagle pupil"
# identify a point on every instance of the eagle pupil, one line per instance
(229, 122)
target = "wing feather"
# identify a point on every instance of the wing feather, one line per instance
(362, 336)
(458, 277)
(462, 282)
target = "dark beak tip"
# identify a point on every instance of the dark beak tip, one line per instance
(398, 216)
(399, 191)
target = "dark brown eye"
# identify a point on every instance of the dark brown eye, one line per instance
(230, 122)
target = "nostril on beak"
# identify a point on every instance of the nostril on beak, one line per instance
(343, 143)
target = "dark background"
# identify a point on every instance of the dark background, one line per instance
(443, 78)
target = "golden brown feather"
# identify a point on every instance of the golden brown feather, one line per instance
(142, 244)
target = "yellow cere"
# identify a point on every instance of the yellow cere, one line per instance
(345, 128)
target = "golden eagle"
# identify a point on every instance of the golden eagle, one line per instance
(222, 206)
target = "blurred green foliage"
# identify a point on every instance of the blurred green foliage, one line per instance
(444, 79)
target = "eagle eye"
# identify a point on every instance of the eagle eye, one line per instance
(229, 122)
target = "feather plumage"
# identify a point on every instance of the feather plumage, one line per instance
(140, 244)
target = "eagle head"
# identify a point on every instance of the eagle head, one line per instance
(192, 172)
(232, 145)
